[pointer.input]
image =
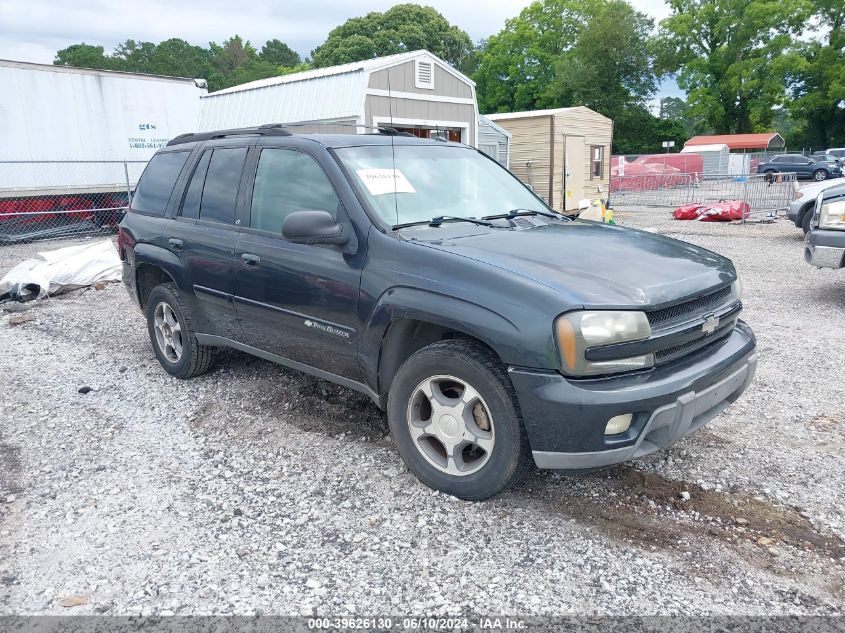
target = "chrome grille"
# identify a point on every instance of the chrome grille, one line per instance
(693, 308)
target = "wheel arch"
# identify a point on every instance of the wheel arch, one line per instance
(803, 211)
(404, 321)
(148, 276)
(153, 266)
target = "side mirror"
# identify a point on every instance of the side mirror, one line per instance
(313, 227)
(530, 186)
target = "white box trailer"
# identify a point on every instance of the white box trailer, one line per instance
(78, 119)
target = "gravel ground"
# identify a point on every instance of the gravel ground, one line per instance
(256, 489)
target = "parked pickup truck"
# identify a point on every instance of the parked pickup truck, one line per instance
(493, 330)
(825, 243)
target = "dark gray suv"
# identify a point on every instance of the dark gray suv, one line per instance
(801, 166)
(495, 332)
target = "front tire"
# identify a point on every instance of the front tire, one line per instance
(806, 220)
(819, 175)
(173, 336)
(454, 417)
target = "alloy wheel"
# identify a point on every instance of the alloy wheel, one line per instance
(168, 332)
(451, 425)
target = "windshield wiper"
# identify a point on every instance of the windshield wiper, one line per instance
(510, 215)
(440, 219)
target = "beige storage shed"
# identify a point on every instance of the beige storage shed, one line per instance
(563, 153)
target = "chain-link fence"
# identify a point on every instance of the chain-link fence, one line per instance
(52, 199)
(670, 190)
(766, 194)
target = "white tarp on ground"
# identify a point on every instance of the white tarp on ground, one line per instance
(53, 272)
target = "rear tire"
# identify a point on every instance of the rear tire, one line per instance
(465, 439)
(173, 336)
(819, 175)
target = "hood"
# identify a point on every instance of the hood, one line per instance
(593, 264)
(812, 190)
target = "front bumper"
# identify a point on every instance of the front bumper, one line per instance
(565, 419)
(825, 248)
(793, 212)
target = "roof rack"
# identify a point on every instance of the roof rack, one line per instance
(270, 129)
(392, 131)
(279, 129)
(379, 129)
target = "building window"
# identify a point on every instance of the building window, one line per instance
(424, 74)
(491, 149)
(597, 162)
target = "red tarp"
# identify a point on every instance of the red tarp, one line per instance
(725, 211)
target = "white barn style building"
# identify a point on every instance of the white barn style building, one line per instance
(415, 92)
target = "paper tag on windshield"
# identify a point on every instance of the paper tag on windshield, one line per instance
(382, 181)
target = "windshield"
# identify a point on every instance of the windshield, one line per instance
(432, 181)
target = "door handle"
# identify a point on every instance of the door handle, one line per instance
(250, 260)
(175, 244)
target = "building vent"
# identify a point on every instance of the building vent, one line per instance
(425, 74)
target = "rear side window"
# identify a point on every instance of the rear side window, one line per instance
(193, 196)
(221, 184)
(156, 183)
(288, 181)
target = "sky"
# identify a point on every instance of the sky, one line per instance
(33, 30)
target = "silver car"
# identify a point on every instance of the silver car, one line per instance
(801, 209)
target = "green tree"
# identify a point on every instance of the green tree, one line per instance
(134, 56)
(233, 62)
(402, 28)
(559, 53)
(609, 67)
(516, 67)
(178, 58)
(729, 56)
(638, 131)
(817, 82)
(278, 53)
(84, 56)
(234, 52)
(676, 109)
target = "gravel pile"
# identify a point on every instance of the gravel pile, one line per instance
(254, 489)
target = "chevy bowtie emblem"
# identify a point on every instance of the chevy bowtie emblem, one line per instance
(710, 324)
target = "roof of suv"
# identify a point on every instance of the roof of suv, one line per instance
(386, 136)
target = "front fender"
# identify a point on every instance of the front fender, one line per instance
(494, 329)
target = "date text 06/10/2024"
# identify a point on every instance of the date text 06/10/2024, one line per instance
(417, 624)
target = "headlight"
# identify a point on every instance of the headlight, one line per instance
(832, 215)
(578, 331)
(736, 289)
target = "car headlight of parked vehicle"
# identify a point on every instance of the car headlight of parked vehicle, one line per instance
(578, 331)
(736, 289)
(832, 215)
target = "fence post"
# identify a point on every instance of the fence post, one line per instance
(128, 186)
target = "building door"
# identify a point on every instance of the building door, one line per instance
(574, 161)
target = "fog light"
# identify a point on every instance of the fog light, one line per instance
(618, 424)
